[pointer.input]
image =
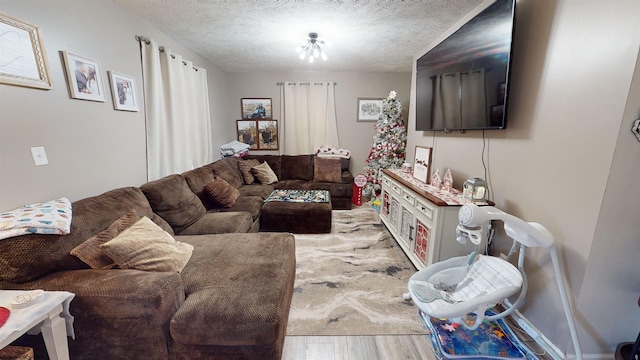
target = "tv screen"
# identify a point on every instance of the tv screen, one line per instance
(463, 82)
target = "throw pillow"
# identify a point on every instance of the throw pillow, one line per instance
(51, 217)
(145, 246)
(327, 170)
(221, 193)
(264, 174)
(245, 168)
(90, 252)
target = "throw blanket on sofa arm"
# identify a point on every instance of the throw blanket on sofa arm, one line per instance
(333, 152)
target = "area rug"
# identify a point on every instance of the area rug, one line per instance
(351, 281)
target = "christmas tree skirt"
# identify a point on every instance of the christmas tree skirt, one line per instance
(491, 340)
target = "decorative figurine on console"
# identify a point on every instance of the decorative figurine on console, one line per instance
(447, 182)
(436, 181)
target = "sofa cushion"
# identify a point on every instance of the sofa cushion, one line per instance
(245, 169)
(220, 223)
(171, 198)
(145, 246)
(264, 174)
(274, 161)
(238, 289)
(228, 170)
(249, 204)
(221, 193)
(90, 251)
(327, 170)
(196, 179)
(28, 257)
(296, 167)
(256, 189)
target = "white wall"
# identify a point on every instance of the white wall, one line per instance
(573, 65)
(355, 136)
(91, 147)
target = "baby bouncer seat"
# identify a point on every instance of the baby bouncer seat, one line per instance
(463, 288)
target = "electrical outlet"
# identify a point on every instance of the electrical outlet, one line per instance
(39, 156)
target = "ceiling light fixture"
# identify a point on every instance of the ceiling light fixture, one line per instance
(312, 48)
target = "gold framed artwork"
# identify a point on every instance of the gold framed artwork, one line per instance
(23, 60)
(84, 77)
(422, 163)
(123, 91)
(256, 108)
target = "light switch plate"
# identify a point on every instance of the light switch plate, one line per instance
(39, 156)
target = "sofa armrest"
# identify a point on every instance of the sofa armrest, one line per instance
(346, 177)
(117, 312)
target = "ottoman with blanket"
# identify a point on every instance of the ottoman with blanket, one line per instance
(297, 211)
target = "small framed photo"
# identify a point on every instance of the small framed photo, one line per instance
(268, 134)
(23, 60)
(248, 132)
(422, 163)
(369, 109)
(256, 108)
(123, 91)
(84, 77)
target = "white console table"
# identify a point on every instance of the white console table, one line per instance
(421, 218)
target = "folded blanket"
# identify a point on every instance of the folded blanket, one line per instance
(51, 217)
(235, 146)
(333, 152)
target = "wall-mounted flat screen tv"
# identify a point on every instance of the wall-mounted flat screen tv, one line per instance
(463, 82)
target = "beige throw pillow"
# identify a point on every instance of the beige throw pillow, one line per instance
(145, 246)
(245, 168)
(90, 252)
(221, 193)
(327, 170)
(264, 174)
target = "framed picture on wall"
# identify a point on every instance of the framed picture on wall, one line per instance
(84, 77)
(256, 108)
(248, 132)
(268, 134)
(422, 163)
(123, 92)
(23, 60)
(369, 110)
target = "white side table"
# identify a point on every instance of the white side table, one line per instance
(49, 315)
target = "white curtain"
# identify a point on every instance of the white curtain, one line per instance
(177, 112)
(308, 113)
(459, 100)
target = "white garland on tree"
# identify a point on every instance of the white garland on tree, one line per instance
(389, 142)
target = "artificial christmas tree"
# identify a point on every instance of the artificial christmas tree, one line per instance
(388, 149)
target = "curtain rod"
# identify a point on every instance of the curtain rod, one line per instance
(304, 83)
(160, 48)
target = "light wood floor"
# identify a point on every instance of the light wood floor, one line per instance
(387, 347)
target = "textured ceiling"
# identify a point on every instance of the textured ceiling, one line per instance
(262, 35)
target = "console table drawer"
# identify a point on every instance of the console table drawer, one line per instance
(408, 197)
(425, 209)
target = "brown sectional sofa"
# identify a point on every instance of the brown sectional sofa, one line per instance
(232, 299)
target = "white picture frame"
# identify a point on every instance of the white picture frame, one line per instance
(84, 77)
(123, 91)
(369, 109)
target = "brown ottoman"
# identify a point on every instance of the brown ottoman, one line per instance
(308, 217)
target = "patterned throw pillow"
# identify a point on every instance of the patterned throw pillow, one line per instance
(221, 193)
(264, 174)
(145, 246)
(90, 252)
(245, 168)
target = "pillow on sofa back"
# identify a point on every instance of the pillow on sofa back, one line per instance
(221, 193)
(327, 170)
(264, 174)
(245, 168)
(171, 198)
(297, 167)
(90, 252)
(196, 179)
(227, 169)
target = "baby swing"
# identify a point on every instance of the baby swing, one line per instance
(463, 288)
